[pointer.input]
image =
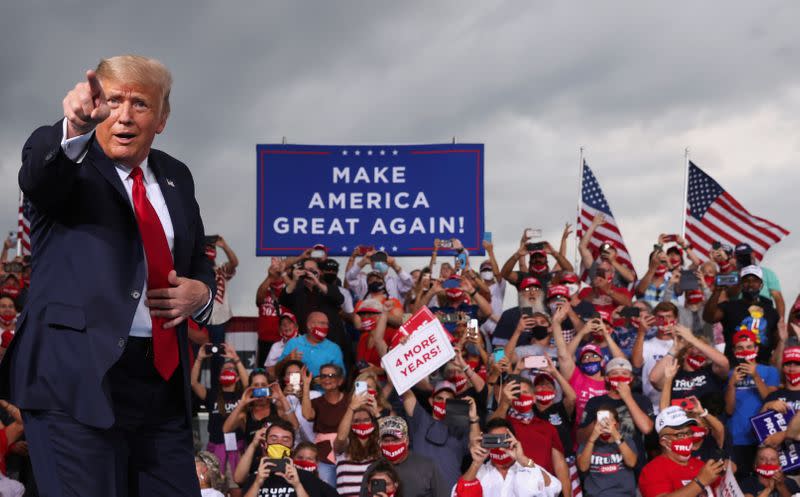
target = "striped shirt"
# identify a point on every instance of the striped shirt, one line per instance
(349, 475)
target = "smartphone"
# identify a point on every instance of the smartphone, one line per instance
(487, 236)
(451, 283)
(535, 362)
(531, 233)
(211, 239)
(603, 415)
(280, 466)
(685, 404)
(457, 410)
(214, 348)
(498, 355)
(294, 380)
(670, 238)
(526, 311)
(688, 281)
(630, 312)
(731, 279)
(377, 486)
(317, 254)
(361, 387)
(364, 249)
(260, 393)
(472, 327)
(446, 243)
(495, 441)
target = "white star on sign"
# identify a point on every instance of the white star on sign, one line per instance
(383, 248)
(369, 152)
(394, 248)
(344, 152)
(383, 152)
(394, 152)
(358, 152)
(344, 249)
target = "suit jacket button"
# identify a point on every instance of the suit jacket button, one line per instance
(121, 343)
(135, 294)
(50, 155)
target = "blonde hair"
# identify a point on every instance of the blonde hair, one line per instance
(140, 70)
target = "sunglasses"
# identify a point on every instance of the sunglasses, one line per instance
(328, 375)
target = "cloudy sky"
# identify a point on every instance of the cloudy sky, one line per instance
(632, 82)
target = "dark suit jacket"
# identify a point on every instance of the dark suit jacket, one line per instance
(88, 270)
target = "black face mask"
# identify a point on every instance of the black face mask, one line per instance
(375, 287)
(329, 278)
(539, 332)
(750, 294)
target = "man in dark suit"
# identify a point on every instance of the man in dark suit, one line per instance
(99, 364)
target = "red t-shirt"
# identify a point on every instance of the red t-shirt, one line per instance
(268, 319)
(662, 475)
(602, 302)
(370, 354)
(538, 439)
(3, 450)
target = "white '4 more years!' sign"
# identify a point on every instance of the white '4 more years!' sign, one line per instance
(426, 350)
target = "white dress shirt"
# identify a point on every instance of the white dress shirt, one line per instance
(75, 149)
(520, 481)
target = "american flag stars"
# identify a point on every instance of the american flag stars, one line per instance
(369, 152)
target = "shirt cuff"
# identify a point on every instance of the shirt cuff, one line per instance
(75, 148)
(202, 314)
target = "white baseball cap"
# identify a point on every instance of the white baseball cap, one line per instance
(754, 270)
(673, 417)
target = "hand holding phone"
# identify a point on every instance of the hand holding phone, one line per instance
(535, 362)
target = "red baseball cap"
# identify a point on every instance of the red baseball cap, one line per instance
(470, 488)
(569, 278)
(792, 354)
(744, 336)
(557, 291)
(590, 348)
(604, 315)
(529, 281)
(454, 293)
(286, 313)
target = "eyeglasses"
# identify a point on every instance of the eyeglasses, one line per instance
(329, 375)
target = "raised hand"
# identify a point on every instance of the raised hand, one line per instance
(85, 106)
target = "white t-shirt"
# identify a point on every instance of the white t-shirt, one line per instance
(210, 492)
(520, 481)
(652, 352)
(498, 293)
(274, 353)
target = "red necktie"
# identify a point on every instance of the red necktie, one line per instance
(159, 264)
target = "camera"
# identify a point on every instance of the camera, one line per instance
(260, 393)
(731, 279)
(495, 441)
(214, 348)
(377, 485)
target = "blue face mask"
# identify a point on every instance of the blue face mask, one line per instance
(590, 368)
(381, 267)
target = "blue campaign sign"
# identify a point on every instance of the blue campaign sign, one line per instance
(398, 198)
(770, 422)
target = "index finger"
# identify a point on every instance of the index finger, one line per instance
(94, 83)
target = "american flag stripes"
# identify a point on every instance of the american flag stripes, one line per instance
(23, 227)
(712, 215)
(592, 202)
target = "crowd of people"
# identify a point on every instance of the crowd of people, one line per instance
(598, 382)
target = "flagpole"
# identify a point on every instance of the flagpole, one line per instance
(19, 225)
(578, 209)
(685, 190)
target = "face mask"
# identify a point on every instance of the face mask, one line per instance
(664, 323)
(10, 291)
(572, 287)
(438, 410)
(278, 286)
(211, 253)
(615, 381)
(372, 392)
(750, 294)
(381, 267)
(523, 404)
(309, 466)
(605, 437)
(710, 280)
(681, 447)
(538, 268)
(698, 433)
(767, 470)
(368, 324)
(696, 361)
(473, 363)
(539, 332)
(544, 397)
(694, 298)
(227, 378)
(7, 318)
(661, 270)
(487, 275)
(288, 335)
(597, 336)
(793, 378)
(319, 332)
(277, 451)
(459, 381)
(500, 458)
(394, 451)
(747, 355)
(590, 368)
(329, 278)
(376, 287)
(363, 430)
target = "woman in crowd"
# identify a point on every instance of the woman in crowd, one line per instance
(356, 445)
(222, 402)
(212, 483)
(261, 404)
(607, 460)
(381, 475)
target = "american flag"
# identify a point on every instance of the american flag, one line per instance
(592, 202)
(24, 227)
(713, 215)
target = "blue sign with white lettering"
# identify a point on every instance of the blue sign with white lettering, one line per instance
(391, 197)
(770, 422)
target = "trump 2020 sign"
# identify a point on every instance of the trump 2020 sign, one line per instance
(395, 198)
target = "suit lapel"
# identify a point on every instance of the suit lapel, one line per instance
(108, 170)
(169, 189)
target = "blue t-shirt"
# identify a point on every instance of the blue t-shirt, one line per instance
(315, 356)
(748, 403)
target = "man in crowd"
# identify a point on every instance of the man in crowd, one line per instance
(313, 347)
(396, 284)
